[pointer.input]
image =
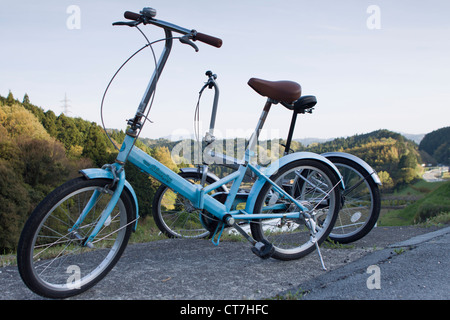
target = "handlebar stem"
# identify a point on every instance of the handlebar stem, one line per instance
(136, 122)
(215, 104)
(147, 17)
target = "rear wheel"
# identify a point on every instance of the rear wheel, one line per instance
(176, 216)
(312, 184)
(361, 203)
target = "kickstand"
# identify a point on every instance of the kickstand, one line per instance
(320, 254)
(220, 226)
(311, 224)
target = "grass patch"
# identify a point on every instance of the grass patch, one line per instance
(418, 188)
(298, 295)
(8, 260)
(146, 231)
(433, 204)
(439, 220)
(330, 244)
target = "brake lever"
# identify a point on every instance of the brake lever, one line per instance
(126, 23)
(186, 40)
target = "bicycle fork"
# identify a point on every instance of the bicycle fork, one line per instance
(105, 217)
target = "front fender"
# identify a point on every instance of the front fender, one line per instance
(107, 174)
(370, 171)
(275, 166)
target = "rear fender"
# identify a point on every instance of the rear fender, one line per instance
(370, 171)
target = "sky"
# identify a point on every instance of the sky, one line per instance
(371, 64)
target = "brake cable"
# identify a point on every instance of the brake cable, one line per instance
(149, 44)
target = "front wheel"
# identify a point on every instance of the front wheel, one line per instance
(52, 258)
(313, 185)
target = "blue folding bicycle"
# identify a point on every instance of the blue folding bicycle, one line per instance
(85, 224)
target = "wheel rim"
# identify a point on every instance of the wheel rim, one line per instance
(179, 216)
(291, 236)
(59, 262)
(357, 205)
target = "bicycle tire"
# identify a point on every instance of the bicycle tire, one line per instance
(52, 261)
(357, 216)
(291, 240)
(183, 221)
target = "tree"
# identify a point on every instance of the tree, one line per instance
(162, 154)
(442, 153)
(10, 99)
(406, 175)
(43, 161)
(407, 161)
(386, 180)
(20, 121)
(26, 99)
(49, 123)
(68, 132)
(436, 144)
(431, 141)
(14, 207)
(95, 147)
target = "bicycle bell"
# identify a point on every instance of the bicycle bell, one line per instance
(148, 12)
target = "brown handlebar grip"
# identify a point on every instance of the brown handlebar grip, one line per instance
(132, 16)
(213, 41)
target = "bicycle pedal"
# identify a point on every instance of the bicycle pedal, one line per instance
(263, 249)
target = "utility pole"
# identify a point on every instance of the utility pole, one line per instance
(65, 105)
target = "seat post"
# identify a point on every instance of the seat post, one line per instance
(262, 119)
(291, 133)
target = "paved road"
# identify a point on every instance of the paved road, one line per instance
(434, 175)
(197, 270)
(416, 269)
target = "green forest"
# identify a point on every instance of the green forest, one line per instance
(40, 150)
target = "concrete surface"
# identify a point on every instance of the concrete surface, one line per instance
(198, 270)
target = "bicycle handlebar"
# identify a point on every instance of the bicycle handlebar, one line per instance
(212, 41)
(132, 16)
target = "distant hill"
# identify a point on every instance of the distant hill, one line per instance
(437, 145)
(307, 141)
(394, 157)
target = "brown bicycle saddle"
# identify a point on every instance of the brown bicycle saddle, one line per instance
(281, 91)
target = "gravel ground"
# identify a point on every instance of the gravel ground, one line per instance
(197, 270)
